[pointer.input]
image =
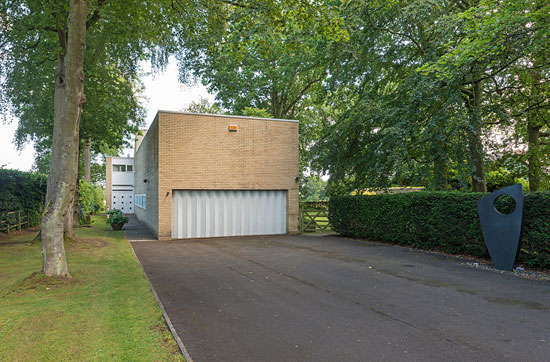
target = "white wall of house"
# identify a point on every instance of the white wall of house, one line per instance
(123, 171)
(122, 184)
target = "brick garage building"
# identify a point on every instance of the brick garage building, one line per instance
(199, 175)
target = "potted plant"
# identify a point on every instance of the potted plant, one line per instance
(116, 218)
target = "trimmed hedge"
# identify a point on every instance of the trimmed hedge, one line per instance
(445, 221)
(21, 190)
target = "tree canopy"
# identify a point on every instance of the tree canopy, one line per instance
(435, 93)
(117, 38)
(264, 58)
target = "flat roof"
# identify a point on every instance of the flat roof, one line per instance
(227, 116)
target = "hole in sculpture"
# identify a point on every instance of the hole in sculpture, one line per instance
(505, 204)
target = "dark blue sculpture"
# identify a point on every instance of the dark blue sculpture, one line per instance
(502, 232)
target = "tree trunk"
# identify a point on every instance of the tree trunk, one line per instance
(68, 232)
(72, 219)
(476, 159)
(474, 139)
(69, 97)
(441, 175)
(533, 155)
(59, 110)
(87, 161)
(76, 217)
(277, 108)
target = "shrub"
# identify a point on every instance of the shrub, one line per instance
(115, 216)
(446, 221)
(501, 177)
(22, 190)
(91, 198)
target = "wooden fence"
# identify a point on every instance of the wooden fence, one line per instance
(314, 216)
(19, 220)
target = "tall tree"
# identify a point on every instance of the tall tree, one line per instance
(395, 125)
(261, 54)
(38, 35)
(69, 98)
(427, 91)
(503, 46)
(265, 58)
(87, 156)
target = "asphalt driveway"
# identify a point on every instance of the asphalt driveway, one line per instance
(306, 298)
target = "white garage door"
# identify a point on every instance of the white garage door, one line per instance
(198, 214)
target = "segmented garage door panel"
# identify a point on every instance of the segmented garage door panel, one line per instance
(199, 214)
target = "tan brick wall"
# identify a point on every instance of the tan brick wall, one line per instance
(146, 168)
(108, 181)
(198, 152)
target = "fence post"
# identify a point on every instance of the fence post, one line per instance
(301, 220)
(19, 220)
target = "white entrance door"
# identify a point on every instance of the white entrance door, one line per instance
(197, 214)
(123, 200)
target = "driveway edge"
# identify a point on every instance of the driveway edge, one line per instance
(166, 318)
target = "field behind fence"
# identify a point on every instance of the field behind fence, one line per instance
(314, 216)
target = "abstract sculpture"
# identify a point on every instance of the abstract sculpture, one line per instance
(502, 232)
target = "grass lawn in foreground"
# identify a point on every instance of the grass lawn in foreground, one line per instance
(105, 312)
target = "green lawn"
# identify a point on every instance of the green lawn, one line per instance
(106, 312)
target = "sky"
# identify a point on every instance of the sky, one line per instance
(162, 91)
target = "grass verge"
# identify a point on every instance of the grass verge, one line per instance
(105, 312)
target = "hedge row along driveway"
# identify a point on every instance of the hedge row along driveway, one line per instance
(445, 221)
